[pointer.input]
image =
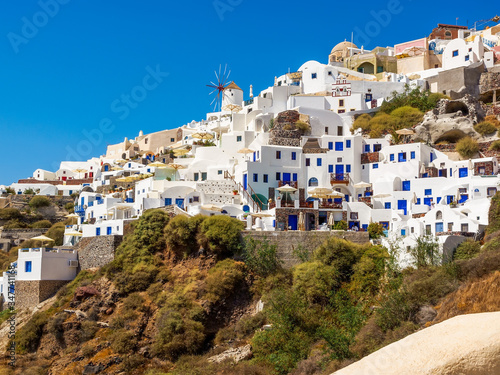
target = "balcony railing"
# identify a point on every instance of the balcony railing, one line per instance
(339, 178)
(248, 102)
(293, 184)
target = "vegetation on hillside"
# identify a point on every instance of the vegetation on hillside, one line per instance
(183, 289)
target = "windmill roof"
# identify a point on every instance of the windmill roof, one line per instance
(233, 86)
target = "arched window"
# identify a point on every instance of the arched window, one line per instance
(447, 34)
(313, 181)
(439, 215)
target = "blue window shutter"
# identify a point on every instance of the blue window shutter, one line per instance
(406, 185)
(330, 168)
(387, 205)
(412, 155)
(367, 148)
(339, 146)
(330, 145)
(463, 172)
(318, 162)
(294, 176)
(348, 143)
(348, 168)
(391, 157)
(375, 165)
(27, 266)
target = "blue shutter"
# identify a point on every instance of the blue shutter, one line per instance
(295, 177)
(348, 143)
(330, 168)
(330, 145)
(406, 185)
(463, 172)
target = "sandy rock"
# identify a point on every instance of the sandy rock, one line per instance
(466, 345)
(236, 354)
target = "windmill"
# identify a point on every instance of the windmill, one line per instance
(222, 81)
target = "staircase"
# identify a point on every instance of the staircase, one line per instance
(256, 205)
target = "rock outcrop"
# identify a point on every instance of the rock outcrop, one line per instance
(236, 354)
(466, 345)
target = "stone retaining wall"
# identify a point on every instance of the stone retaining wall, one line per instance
(97, 251)
(31, 293)
(288, 242)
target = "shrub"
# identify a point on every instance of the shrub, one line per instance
(467, 147)
(11, 191)
(451, 136)
(88, 330)
(375, 230)
(337, 253)
(148, 233)
(303, 127)
(369, 271)
(56, 232)
(224, 279)
(15, 224)
(41, 224)
(495, 146)
(493, 120)
(221, 235)
(29, 192)
(134, 302)
(407, 116)
(340, 225)
(316, 281)
(485, 128)
(261, 257)
(122, 341)
(39, 201)
(467, 250)
(362, 122)
(10, 214)
(181, 234)
(55, 325)
(139, 278)
(70, 207)
(28, 337)
(435, 97)
(426, 252)
(413, 97)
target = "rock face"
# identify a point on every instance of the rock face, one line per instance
(466, 345)
(236, 354)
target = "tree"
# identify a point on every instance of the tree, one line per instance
(221, 235)
(261, 256)
(426, 252)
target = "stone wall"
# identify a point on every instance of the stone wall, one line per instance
(31, 293)
(97, 251)
(370, 157)
(288, 242)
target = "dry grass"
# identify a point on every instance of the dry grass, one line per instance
(473, 297)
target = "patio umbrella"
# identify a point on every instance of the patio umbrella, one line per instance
(320, 191)
(245, 151)
(124, 179)
(180, 151)
(43, 239)
(73, 234)
(422, 169)
(176, 166)
(335, 193)
(286, 189)
(79, 170)
(72, 216)
(414, 199)
(261, 215)
(362, 185)
(382, 196)
(302, 221)
(202, 136)
(157, 164)
(232, 108)
(211, 207)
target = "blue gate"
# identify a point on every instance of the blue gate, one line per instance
(402, 205)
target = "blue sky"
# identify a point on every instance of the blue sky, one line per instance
(65, 63)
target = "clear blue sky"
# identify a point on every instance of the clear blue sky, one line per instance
(62, 69)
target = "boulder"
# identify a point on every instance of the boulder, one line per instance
(236, 354)
(84, 292)
(466, 345)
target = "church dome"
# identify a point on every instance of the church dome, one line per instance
(343, 46)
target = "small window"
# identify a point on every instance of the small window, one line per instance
(380, 69)
(238, 138)
(294, 155)
(467, 57)
(428, 192)
(464, 227)
(348, 168)
(98, 231)
(278, 176)
(412, 155)
(196, 176)
(255, 177)
(319, 162)
(339, 146)
(265, 178)
(402, 157)
(391, 157)
(341, 102)
(330, 145)
(375, 166)
(196, 199)
(314, 75)
(172, 139)
(326, 129)
(418, 201)
(367, 148)
(27, 266)
(219, 171)
(308, 162)
(313, 181)
(330, 168)
(278, 154)
(412, 229)
(450, 226)
(455, 53)
(348, 143)
(387, 205)
(377, 147)
(428, 230)
(354, 216)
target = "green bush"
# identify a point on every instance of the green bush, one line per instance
(181, 234)
(29, 192)
(70, 207)
(261, 257)
(340, 254)
(303, 127)
(435, 97)
(88, 329)
(41, 224)
(221, 235)
(467, 250)
(122, 341)
(369, 271)
(485, 128)
(10, 214)
(315, 281)
(39, 201)
(413, 97)
(55, 325)
(426, 252)
(407, 116)
(362, 122)
(28, 337)
(138, 279)
(467, 147)
(148, 232)
(224, 279)
(15, 224)
(375, 230)
(495, 146)
(340, 225)
(56, 232)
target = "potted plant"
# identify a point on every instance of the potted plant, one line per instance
(235, 192)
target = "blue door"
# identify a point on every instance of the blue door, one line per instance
(98, 231)
(449, 199)
(406, 185)
(402, 205)
(287, 177)
(339, 172)
(439, 227)
(293, 221)
(168, 201)
(428, 201)
(179, 202)
(245, 181)
(108, 231)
